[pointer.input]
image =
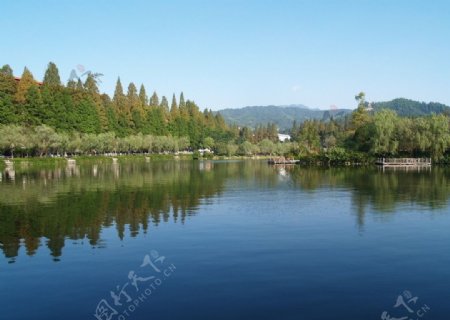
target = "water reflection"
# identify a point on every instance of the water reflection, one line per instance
(378, 190)
(76, 201)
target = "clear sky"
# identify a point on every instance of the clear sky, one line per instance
(239, 53)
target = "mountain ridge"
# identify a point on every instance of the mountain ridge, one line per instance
(284, 115)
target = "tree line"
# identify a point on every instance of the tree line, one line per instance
(49, 117)
(80, 107)
(376, 133)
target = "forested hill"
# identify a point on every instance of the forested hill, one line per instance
(406, 108)
(282, 116)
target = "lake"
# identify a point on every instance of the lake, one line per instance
(223, 240)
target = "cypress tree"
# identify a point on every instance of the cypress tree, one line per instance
(80, 85)
(154, 100)
(91, 85)
(8, 88)
(6, 70)
(93, 93)
(132, 92)
(182, 102)
(7, 82)
(143, 96)
(118, 92)
(119, 98)
(164, 104)
(51, 77)
(25, 83)
(134, 109)
(34, 107)
(174, 107)
(71, 84)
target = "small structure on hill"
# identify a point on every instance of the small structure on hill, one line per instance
(283, 137)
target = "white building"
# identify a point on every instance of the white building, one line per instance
(284, 137)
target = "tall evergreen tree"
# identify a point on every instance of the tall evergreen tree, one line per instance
(6, 70)
(80, 86)
(26, 81)
(154, 100)
(134, 107)
(182, 102)
(91, 85)
(143, 96)
(164, 104)
(51, 77)
(71, 84)
(118, 92)
(174, 107)
(119, 99)
(8, 89)
(7, 82)
(34, 107)
(132, 92)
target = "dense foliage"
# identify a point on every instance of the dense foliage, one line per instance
(379, 133)
(407, 108)
(49, 118)
(80, 108)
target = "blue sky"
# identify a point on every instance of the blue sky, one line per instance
(239, 53)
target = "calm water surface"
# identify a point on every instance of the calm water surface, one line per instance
(223, 240)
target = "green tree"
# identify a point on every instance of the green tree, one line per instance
(384, 141)
(266, 146)
(309, 135)
(7, 81)
(34, 107)
(26, 81)
(154, 100)
(232, 149)
(164, 104)
(12, 137)
(91, 85)
(51, 77)
(440, 136)
(174, 107)
(182, 104)
(208, 143)
(143, 96)
(46, 139)
(360, 116)
(119, 97)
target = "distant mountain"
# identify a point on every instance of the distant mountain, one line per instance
(282, 116)
(411, 108)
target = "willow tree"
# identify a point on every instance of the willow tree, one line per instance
(384, 141)
(440, 136)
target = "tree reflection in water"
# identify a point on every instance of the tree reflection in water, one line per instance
(76, 202)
